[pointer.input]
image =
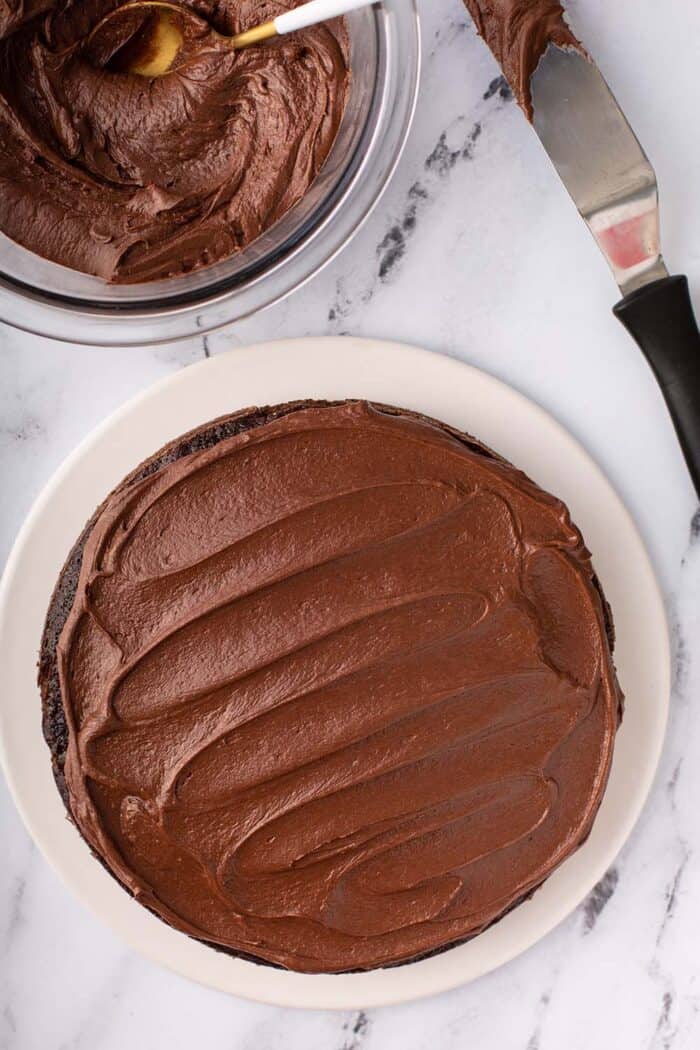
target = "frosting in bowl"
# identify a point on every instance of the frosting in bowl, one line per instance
(135, 179)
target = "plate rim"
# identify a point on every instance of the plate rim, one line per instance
(240, 977)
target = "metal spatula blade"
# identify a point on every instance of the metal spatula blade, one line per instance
(601, 163)
(613, 185)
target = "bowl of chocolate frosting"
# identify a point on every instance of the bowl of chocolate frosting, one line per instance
(138, 210)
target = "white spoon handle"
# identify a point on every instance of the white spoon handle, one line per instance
(313, 12)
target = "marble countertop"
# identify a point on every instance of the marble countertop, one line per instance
(475, 251)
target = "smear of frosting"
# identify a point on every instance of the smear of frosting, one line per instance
(134, 179)
(518, 33)
(339, 689)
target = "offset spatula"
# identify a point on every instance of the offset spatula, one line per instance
(613, 185)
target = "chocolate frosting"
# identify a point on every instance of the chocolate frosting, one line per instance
(134, 179)
(338, 688)
(518, 33)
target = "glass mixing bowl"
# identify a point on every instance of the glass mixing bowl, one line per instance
(47, 299)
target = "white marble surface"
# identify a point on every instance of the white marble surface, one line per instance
(487, 261)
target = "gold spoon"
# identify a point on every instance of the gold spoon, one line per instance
(151, 49)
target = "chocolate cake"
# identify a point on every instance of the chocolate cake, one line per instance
(330, 685)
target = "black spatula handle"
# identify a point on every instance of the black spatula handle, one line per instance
(660, 318)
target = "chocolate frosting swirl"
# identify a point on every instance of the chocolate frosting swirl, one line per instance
(339, 688)
(134, 179)
(518, 33)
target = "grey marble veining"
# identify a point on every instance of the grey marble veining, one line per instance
(475, 251)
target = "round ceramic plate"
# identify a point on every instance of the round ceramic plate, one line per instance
(334, 368)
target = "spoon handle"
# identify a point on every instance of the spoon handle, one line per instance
(313, 12)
